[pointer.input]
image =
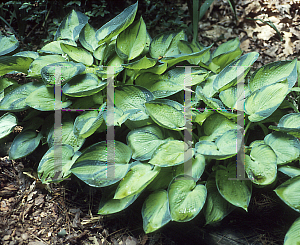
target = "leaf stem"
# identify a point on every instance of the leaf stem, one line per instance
(248, 125)
(125, 74)
(181, 134)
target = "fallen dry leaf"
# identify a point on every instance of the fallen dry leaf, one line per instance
(245, 45)
(297, 46)
(295, 31)
(218, 31)
(265, 32)
(271, 51)
(253, 7)
(288, 45)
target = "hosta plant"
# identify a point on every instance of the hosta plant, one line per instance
(165, 115)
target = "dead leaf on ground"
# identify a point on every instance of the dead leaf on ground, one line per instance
(253, 7)
(288, 45)
(271, 51)
(245, 45)
(265, 32)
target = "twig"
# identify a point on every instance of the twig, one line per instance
(32, 29)
(39, 238)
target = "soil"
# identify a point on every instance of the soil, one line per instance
(64, 213)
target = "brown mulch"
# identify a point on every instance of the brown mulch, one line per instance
(65, 213)
(33, 213)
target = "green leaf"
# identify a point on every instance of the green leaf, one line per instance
(171, 82)
(274, 73)
(216, 207)
(207, 88)
(99, 52)
(132, 41)
(15, 100)
(224, 147)
(143, 63)
(166, 113)
(285, 146)
(108, 205)
(119, 116)
(52, 164)
(189, 48)
(237, 192)
(92, 168)
(289, 170)
(115, 62)
(232, 96)
(210, 102)
(29, 54)
(7, 123)
(43, 99)
(215, 126)
(292, 237)
(117, 24)
(262, 152)
(143, 141)
(136, 180)
(297, 89)
(155, 211)
(289, 193)
(87, 38)
(64, 71)
(172, 60)
(159, 68)
(71, 26)
(200, 117)
(67, 135)
(186, 198)
(78, 54)
(171, 153)
(14, 63)
(8, 44)
(83, 103)
(204, 7)
(37, 65)
(24, 143)
(235, 71)
(131, 99)
(106, 51)
(166, 45)
(88, 122)
(289, 123)
(261, 166)
(263, 102)
(196, 169)
(162, 180)
(55, 48)
(147, 46)
(225, 54)
(84, 85)
(137, 124)
(6, 82)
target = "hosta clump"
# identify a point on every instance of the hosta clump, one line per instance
(151, 88)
